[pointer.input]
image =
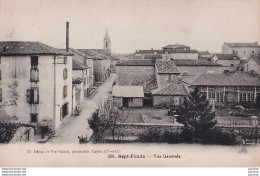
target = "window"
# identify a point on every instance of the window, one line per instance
(169, 77)
(236, 52)
(233, 51)
(130, 99)
(34, 117)
(221, 97)
(34, 75)
(65, 73)
(218, 97)
(34, 61)
(65, 60)
(231, 65)
(104, 68)
(253, 52)
(244, 52)
(33, 96)
(242, 97)
(1, 95)
(251, 97)
(65, 91)
(85, 80)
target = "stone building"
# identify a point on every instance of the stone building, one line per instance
(223, 89)
(128, 96)
(195, 67)
(229, 62)
(134, 72)
(172, 93)
(81, 72)
(176, 46)
(34, 78)
(252, 65)
(181, 54)
(85, 61)
(242, 50)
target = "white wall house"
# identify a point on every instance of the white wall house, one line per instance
(36, 84)
(242, 50)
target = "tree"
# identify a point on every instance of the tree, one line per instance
(195, 113)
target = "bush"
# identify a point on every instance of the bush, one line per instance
(220, 137)
(150, 135)
(188, 135)
(172, 137)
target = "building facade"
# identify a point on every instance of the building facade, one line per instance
(242, 50)
(34, 78)
(229, 62)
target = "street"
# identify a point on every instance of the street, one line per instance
(77, 125)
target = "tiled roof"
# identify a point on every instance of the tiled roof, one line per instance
(154, 56)
(128, 91)
(92, 53)
(243, 44)
(189, 79)
(166, 66)
(146, 62)
(204, 53)
(175, 46)
(183, 51)
(150, 85)
(77, 80)
(194, 62)
(227, 56)
(148, 51)
(7, 130)
(235, 79)
(171, 89)
(17, 48)
(78, 66)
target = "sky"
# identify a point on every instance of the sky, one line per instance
(131, 24)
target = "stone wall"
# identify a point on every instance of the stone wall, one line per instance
(118, 102)
(163, 79)
(134, 75)
(137, 102)
(158, 99)
(23, 134)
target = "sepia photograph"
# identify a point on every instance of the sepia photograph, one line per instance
(134, 83)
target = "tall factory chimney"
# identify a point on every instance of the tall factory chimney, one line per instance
(67, 36)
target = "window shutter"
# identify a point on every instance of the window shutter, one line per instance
(0, 75)
(0, 95)
(36, 95)
(28, 95)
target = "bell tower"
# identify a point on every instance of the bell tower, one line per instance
(107, 43)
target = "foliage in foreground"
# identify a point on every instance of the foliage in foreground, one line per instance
(187, 135)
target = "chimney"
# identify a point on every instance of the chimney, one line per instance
(67, 36)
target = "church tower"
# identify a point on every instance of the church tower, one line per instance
(107, 43)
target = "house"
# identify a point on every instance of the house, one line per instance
(35, 77)
(134, 72)
(193, 66)
(128, 96)
(113, 62)
(252, 65)
(222, 89)
(148, 53)
(77, 93)
(81, 72)
(16, 132)
(229, 62)
(180, 54)
(86, 61)
(205, 55)
(176, 46)
(242, 50)
(166, 72)
(172, 93)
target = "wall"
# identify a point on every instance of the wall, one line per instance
(100, 68)
(118, 101)
(162, 79)
(227, 64)
(180, 56)
(91, 72)
(227, 50)
(195, 70)
(252, 65)
(23, 134)
(158, 99)
(134, 75)
(137, 102)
